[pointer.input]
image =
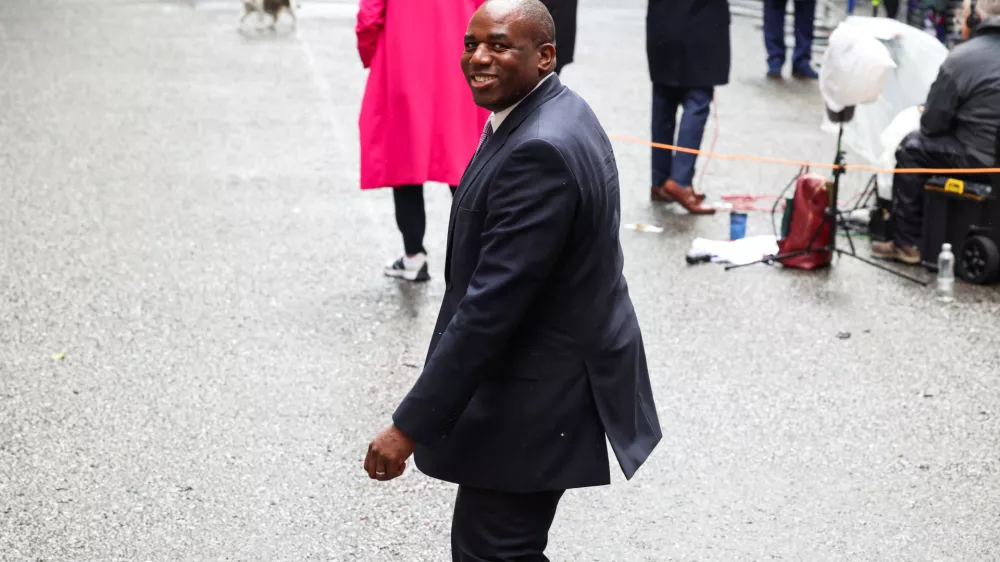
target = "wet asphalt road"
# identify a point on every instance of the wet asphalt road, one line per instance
(197, 343)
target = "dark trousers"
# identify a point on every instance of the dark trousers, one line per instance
(501, 526)
(696, 102)
(891, 8)
(774, 32)
(920, 151)
(411, 217)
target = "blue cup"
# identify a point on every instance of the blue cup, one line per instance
(737, 225)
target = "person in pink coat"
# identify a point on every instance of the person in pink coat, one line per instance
(418, 120)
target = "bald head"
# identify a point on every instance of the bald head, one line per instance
(532, 13)
(509, 49)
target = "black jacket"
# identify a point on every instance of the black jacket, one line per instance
(564, 14)
(964, 100)
(687, 42)
(537, 353)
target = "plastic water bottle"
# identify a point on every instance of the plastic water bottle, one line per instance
(946, 274)
(737, 225)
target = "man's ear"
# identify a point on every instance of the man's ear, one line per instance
(546, 57)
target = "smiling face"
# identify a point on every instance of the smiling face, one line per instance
(503, 61)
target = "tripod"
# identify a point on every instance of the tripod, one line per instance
(832, 217)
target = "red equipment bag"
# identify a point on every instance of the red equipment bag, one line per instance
(812, 198)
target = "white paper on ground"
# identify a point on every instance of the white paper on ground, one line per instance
(643, 227)
(736, 252)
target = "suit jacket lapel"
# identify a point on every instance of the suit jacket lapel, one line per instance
(540, 95)
(471, 172)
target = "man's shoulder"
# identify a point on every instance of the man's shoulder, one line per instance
(969, 56)
(566, 103)
(958, 55)
(566, 122)
(971, 63)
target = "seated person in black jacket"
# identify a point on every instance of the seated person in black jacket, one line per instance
(958, 128)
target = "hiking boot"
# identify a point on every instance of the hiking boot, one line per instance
(891, 251)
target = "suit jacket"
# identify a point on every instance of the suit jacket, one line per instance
(687, 42)
(537, 353)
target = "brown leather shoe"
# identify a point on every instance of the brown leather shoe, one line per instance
(686, 197)
(657, 193)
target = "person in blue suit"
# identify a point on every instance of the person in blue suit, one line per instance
(774, 38)
(689, 55)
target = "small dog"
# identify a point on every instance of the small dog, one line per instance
(272, 8)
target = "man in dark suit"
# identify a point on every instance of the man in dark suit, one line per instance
(687, 47)
(537, 353)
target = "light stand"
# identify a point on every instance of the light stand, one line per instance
(833, 216)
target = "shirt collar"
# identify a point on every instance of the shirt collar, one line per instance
(497, 119)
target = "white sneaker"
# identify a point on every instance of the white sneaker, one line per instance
(411, 269)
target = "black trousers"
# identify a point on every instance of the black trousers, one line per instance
(920, 151)
(891, 8)
(411, 217)
(501, 526)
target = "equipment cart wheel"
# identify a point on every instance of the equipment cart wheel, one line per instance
(979, 261)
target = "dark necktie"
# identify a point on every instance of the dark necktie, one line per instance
(487, 135)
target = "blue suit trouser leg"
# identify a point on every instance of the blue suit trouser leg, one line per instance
(774, 32)
(805, 17)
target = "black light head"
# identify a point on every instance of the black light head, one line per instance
(843, 116)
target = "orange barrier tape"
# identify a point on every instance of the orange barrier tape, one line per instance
(766, 159)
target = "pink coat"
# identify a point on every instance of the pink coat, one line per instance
(418, 121)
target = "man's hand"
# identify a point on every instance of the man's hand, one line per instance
(387, 454)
